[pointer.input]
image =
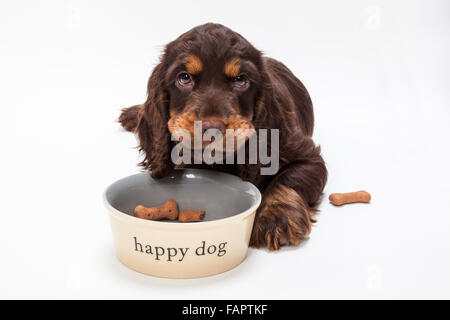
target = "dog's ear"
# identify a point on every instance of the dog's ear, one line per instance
(276, 78)
(152, 129)
(262, 112)
(129, 117)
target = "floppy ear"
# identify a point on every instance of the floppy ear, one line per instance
(263, 113)
(282, 90)
(152, 129)
(129, 117)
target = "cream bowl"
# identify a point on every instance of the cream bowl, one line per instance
(172, 249)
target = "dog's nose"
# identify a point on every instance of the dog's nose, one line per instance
(213, 124)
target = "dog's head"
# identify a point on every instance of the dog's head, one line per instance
(209, 74)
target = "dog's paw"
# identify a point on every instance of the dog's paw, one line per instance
(284, 219)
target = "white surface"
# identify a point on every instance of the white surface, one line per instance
(378, 74)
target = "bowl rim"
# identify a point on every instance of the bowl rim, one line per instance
(191, 225)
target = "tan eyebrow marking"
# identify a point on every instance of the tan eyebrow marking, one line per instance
(232, 67)
(193, 64)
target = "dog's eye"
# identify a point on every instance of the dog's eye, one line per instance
(184, 79)
(240, 82)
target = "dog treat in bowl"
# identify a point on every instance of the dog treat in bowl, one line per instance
(175, 249)
(339, 199)
(169, 210)
(191, 215)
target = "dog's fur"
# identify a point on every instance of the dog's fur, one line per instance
(271, 98)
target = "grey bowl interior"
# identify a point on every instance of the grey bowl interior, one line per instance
(221, 195)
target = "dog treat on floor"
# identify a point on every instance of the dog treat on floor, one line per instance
(339, 199)
(191, 215)
(168, 210)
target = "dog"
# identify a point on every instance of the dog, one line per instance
(214, 75)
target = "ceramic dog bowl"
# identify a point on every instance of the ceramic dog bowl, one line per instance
(173, 249)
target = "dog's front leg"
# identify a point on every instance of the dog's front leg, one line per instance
(286, 213)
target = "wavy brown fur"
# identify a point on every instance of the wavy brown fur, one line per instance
(276, 99)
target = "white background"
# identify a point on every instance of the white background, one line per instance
(378, 74)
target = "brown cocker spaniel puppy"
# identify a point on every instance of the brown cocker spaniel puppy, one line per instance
(214, 75)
